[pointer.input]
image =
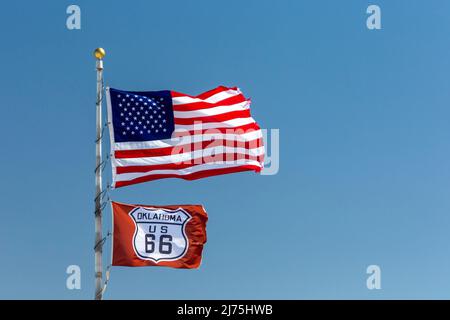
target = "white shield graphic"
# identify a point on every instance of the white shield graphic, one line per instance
(160, 233)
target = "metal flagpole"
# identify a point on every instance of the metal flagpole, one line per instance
(99, 53)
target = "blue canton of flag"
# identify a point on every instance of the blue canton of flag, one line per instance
(141, 116)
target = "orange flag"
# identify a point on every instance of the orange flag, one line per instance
(169, 236)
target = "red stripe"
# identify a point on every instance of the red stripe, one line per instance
(189, 147)
(246, 128)
(212, 92)
(204, 95)
(178, 166)
(206, 105)
(175, 94)
(192, 176)
(215, 118)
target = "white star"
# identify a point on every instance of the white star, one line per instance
(164, 120)
(128, 128)
(156, 130)
(160, 125)
(132, 99)
(125, 109)
(123, 123)
(124, 133)
(161, 99)
(118, 96)
(134, 118)
(120, 104)
(132, 132)
(133, 109)
(131, 122)
(126, 119)
(164, 129)
(141, 132)
(127, 96)
(140, 99)
(139, 122)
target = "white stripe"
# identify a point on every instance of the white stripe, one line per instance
(179, 158)
(248, 136)
(214, 125)
(182, 172)
(213, 99)
(212, 111)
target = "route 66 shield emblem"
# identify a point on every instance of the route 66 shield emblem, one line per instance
(160, 233)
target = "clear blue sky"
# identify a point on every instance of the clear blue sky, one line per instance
(364, 119)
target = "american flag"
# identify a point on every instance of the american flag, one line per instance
(167, 134)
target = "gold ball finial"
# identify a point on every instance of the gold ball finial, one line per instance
(99, 53)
